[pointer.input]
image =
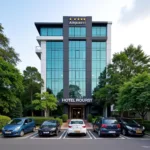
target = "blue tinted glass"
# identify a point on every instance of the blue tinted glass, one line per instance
(54, 65)
(43, 31)
(77, 65)
(103, 31)
(77, 32)
(99, 31)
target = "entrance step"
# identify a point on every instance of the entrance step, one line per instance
(88, 124)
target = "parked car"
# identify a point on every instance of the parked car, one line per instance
(51, 127)
(106, 126)
(18, 127)
(131, 127)
(76, 126)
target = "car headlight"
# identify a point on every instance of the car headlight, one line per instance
(143, 128)
(17, 128)
(130, 128)
(52, 129)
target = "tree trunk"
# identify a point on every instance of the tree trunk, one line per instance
(46, 112)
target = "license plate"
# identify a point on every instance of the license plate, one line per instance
(46, 132)
(112, 132)
(7, 132)
(77, 131)
(138, 131)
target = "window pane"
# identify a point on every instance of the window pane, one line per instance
(43, 31)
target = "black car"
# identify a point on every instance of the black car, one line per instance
(51, 127)
(107, 126)
(131, 127)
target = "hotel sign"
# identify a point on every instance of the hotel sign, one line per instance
(77, 21)
(77, 100)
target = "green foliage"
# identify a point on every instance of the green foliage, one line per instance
(95, 118)
(74, 92)
(16, 112)
(3, 121)
(32, 82)
(125, 65)
(10, 86)
(45, 101)
(135, 95)
(89, 118)
(7, 52)
(40, 120)
(64, 117)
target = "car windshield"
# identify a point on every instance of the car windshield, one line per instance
(129, 121)
(49, 124)
(110, 121)
(16, 122)
(76, 122)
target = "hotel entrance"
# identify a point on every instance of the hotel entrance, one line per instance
(77, 112)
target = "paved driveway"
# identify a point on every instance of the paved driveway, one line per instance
(63, 142)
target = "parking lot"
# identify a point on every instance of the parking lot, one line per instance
(63, 135)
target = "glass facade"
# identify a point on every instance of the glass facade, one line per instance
(77, 32)
(98, 61)
(77, 67)
(51, 31)
(54, 66)
(99, 31)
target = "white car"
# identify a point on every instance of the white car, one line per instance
(76, 126)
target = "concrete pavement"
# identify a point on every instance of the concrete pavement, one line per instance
(63, 142)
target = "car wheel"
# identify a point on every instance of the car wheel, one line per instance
(34, 129)
(22, 133)
(56, 132)
(85, 134)
(124, 132)
(68, 134)
(99, 133)
(117, 135)
(93, 129)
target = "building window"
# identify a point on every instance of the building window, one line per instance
(77, 32)
(99, 31)
(98, 61)
(51, 32)
(77, 67)
(54, 66)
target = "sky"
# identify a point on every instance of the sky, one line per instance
(130, 22)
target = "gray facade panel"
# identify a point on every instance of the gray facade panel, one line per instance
(66, 59)
(88, 56)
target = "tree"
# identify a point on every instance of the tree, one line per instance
(6, 52)
(10, 86)
(32, 82)
(135, 95)
(45, 101)
(17, 110)
(126, 64)
(74, 92)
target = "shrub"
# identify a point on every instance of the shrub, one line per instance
(3, 121)
(40, 120)
(89, 118)
(64, 117)
(147, 126)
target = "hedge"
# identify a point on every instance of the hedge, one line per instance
(40, 120)
(89, 118)
(3, 121)
(64, 117)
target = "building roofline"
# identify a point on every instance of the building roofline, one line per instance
(40, 24)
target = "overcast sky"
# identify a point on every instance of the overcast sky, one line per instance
(130, 18)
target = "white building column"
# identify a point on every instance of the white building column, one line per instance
(43, 65)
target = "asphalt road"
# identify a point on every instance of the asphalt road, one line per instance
(63, 142)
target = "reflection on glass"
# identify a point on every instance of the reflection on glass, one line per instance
(54, 66)
(77, 65)
(98, 58)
